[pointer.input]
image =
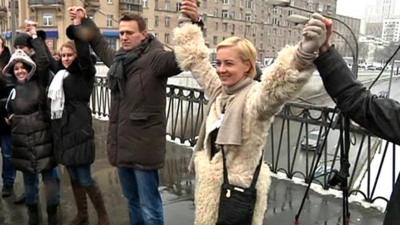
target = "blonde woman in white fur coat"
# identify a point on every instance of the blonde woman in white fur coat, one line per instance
(243, 109)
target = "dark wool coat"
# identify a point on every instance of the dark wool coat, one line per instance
(73, 133)
(137, 122)
(381, 116)
(30, 125)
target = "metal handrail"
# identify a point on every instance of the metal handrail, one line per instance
(287, 148)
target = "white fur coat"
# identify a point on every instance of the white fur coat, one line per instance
(280, 83)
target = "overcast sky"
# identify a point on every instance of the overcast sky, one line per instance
(353, 8)
(356, 8)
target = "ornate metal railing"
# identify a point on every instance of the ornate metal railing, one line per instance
(294, 143)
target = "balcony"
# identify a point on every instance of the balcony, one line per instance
(38, 3)
(130, 6)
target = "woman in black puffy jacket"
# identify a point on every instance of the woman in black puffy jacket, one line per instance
(30, 128)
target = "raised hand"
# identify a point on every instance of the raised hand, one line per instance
(30, 27)
(189, 9)
(329, 29)
(76, 14)
(314, 34)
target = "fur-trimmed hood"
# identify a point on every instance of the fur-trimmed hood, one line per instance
(19, 56)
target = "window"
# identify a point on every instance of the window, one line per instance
(110, 20)
(249, 4)
(215, 40)
(145, 3)
(248, 17)
(225, 27)
(166, 38)
(167, 21)
(216, 26)
(109, 1)
(156, 21)
(225, 2)
(48, 20)
(225, 13)
(112, 42)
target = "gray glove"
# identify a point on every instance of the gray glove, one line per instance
(314, 35)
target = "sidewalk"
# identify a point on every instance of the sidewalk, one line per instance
(177, 191)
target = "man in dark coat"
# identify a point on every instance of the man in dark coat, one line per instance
(8, 171)
(381, 116)
(137, 125)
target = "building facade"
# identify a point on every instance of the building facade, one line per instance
(265, 25)
(391, 30)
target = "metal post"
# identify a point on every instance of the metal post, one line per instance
(13, 21)
(390, 79)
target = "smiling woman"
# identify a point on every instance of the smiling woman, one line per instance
(240, 113)
(235, 60)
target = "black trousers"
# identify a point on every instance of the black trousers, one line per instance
(392, 216)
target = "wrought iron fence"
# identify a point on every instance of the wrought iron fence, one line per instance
(294, 143)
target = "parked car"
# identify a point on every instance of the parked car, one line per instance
(311, 141)
(370, 67)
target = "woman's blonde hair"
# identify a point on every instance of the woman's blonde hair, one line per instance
(70, 45)
(247, 51)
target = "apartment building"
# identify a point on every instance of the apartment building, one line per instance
(266, 26)
(391, 29)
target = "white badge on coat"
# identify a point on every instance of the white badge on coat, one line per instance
(217, 124)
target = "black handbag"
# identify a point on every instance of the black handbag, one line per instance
(236, 204)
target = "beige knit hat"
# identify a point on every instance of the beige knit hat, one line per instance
(19, 56)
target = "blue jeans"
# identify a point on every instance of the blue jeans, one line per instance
(140, 187)
(81, 175)
(52, 187)
(8, 172)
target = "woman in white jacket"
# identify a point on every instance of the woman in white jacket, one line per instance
(241, 108)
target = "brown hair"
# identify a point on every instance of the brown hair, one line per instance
(134, 17)
(69, 44)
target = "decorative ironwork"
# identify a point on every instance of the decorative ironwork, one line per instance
(289, 149)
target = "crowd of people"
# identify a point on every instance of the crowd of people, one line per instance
(46, 119)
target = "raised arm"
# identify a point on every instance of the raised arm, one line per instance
(191, 51)
(192, 55)
(381, 116)
(291, 70)
(85, 29)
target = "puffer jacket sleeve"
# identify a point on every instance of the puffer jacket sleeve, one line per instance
(42, 61)
(192, 55)
(280, 82)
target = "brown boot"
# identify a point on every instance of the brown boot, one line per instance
(98, 203)
(81, 217)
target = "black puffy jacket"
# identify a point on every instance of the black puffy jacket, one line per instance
(30, 124)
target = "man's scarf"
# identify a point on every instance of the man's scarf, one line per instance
(116, 78)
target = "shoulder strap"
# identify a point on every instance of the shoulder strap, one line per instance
(11, 96)
(256, 172)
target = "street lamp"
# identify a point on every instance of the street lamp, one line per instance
(287, 3)
(13, 20)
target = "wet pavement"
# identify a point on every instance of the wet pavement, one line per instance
(177, 191)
